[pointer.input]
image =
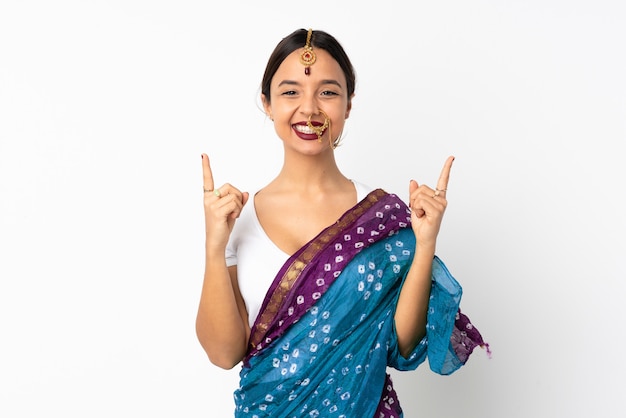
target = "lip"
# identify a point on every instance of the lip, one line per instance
(304, 135)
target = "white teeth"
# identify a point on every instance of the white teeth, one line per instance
(304, 129)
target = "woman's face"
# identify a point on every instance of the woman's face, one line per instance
(296, 96)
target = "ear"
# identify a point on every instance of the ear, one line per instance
(349, 108)
(266, 106)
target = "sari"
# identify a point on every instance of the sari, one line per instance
(325, 334)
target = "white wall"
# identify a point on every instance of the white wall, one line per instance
(105, 108)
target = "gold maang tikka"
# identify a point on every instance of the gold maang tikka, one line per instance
(307, 58)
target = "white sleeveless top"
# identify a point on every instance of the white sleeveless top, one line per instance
(257, 258)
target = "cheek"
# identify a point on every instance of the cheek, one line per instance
(339, 118)
(281, 109)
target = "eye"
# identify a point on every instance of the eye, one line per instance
(329, 93)
(288, 93)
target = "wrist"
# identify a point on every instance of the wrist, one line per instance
(424, 253)
(426, 247)
(215, 252)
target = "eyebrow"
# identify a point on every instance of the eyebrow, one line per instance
(295, 83)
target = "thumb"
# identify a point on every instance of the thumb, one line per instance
(412, 186)
(244, 199)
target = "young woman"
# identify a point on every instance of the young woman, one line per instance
(317, 283)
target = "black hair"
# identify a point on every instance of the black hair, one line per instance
(297, 40)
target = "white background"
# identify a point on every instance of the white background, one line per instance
(105, 107)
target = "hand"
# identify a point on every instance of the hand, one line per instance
(428, 206)
(222, 207)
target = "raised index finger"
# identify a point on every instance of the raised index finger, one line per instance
(207, 175)
(442, 183)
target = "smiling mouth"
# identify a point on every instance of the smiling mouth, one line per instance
(308, 133)
(305, 129)
(312, 129)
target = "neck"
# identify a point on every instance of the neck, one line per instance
(310, 173)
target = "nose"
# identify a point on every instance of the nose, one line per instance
(309, 105)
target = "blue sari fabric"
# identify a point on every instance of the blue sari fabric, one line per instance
(331, 359)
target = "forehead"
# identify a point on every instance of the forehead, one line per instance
(324, 68)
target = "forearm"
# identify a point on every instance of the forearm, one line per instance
(412, 308)
(220, 326)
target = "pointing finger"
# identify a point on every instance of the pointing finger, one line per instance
(444, 177)
(412, 188)
(207, 175)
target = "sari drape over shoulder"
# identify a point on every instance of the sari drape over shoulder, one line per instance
(325, 335)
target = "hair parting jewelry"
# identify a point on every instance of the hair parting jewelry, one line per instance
(307, 58)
